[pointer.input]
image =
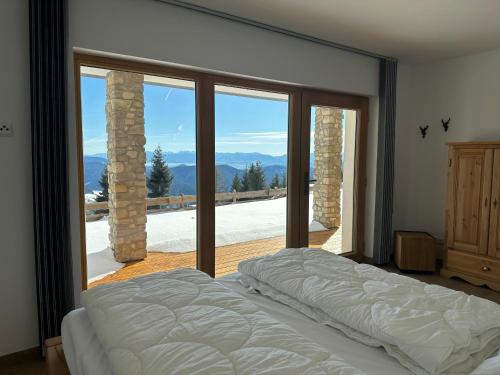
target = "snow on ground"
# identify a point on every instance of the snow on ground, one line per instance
(91, 197)
(176, 231)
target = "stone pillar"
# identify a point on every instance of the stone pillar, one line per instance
(126, 165)
(327, 166)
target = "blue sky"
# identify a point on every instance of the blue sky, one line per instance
(242, 124)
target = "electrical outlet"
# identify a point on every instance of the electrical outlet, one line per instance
(6, 129)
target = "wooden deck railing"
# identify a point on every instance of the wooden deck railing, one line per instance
(90, 208)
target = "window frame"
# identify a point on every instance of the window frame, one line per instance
(298, 144)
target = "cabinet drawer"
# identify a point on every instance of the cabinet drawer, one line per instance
(482, 267)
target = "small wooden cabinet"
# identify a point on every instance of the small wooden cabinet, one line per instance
(415, 251)
(56, 362)
(472, 244)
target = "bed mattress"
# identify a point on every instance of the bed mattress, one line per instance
(85, 355)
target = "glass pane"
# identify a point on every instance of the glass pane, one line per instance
(139, 174)
(331, 200)
(251, 137)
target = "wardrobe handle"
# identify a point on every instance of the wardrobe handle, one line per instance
(486, 202)
(495, 204)
(485, 268)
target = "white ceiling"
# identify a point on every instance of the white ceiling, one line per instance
(415, 31)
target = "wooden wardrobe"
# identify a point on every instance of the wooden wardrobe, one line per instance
(472, 243)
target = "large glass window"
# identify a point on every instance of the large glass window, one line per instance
(148, 173)
(332, 165)
(139, 159)
(251, 138)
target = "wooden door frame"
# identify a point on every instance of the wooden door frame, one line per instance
(205, 176)
(312, 98)
(205, 130)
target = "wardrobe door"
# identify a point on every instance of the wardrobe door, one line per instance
(494, 236)
(470, 205)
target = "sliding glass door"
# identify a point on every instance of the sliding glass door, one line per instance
(331, 186)
(139, 173)
(180, 168)
(251, 142)
(333, 173)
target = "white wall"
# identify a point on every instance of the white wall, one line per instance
(152, 30)
(466, 89)
(18, 315)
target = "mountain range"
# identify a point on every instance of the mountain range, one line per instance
(234, 159)
(182, 167)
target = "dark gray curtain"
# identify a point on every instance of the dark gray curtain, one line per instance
(383, 233)
(48, 137)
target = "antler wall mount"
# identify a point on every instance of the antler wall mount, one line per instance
(446, 124)
(423, 131)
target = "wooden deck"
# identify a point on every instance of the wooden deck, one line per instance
(226, 257)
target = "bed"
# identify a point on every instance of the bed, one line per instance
(429, 329)
(85, 355)
(185, 322)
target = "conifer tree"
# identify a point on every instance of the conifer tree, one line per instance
(236, 184)
(103, 196)
(275, 183)
(245, 180)
(259, 178)
(160, 178)
(251, 177)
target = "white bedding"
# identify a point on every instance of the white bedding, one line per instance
(429, 329)
(85, 355)
(183, 322)
(83, 351)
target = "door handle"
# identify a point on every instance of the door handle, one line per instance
(307, 181)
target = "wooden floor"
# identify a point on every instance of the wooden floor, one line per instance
(226, 257)
(29, 362)
(454, 283)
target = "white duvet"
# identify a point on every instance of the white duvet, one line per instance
(184, 322)
(428, 328)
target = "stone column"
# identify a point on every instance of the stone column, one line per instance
(327, 166)
(126, 165)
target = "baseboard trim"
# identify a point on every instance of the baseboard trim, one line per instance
(365, 259)
(369, 260)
